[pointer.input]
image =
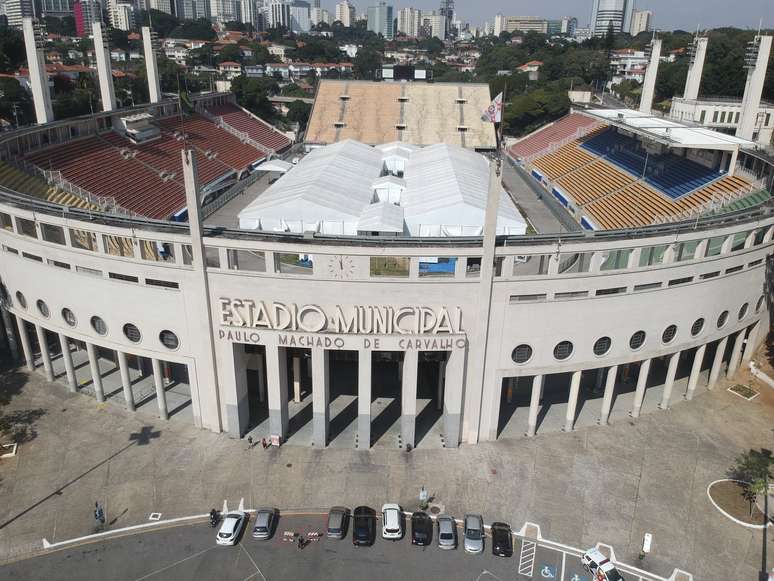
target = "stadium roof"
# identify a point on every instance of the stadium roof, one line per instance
(332, 191)
(669, 132)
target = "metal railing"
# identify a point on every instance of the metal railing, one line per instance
(555, 145)
(716, 203)
(229, 194)
(241, 135)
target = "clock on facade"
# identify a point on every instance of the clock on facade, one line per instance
(341, 267)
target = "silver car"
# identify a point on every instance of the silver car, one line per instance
(447, 532)
(474, 533)
(265, 522)
(338, 519)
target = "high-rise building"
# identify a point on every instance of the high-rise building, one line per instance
(85, 12)
(408, 21)
(299, 16)
(432, 24)
(526, 24)
(56, 8)
(563, 26)
(223, 10)
(345, 13)
(615, 12)
(192, 9)
(279, 14)
(641, 22)
(15, 10)
(123, 16)
(380, 20)
(319, 15)
(499, 24)
(447, 13)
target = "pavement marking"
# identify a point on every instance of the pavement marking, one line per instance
(527, 558)
(249, 556)
(175, 564)
(154, 516)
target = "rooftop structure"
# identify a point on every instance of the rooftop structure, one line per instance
(351, 188)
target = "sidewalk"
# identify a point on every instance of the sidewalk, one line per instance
(610, 484)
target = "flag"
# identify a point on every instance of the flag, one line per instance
(494, 113)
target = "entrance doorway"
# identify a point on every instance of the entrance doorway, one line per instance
(386, 381)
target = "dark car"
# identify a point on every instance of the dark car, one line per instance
(421, 529)
(502, 540)
(363, 526)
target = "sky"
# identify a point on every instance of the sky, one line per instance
(668, 14)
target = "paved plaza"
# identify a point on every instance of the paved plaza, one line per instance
(598, 484)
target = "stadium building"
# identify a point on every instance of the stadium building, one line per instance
(342, 337)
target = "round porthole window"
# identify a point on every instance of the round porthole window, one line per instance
(132, 333)
(669, 334)
(697, 326)
(169, 340)
(98, 325)
(743, 311)
(602, 346)
(21, 300)
(69, 317)
(522, 354)
(563, 350)
(637, 340)
(43, 308)
(722, 319)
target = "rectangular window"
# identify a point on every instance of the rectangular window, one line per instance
(9, 249)
(187, 255)
(616, 259)
(715, 116)
(736, 119)
(157, 251)
(211, 257)
(652, 255)
(701, 117)
(610, 291)
(571, 295)
(755, 263)
(124, 277)
(710, 275)
(734, 269)
(91, 271)
(162, 283)
(723, 117)
(678, 281)
(5, 222)
(527, 298)
(59, 264)
(737, 243)
(714, 246)
(83, 240)
(759, 236)
(437, 266)
(473, 267)
(768, 118)
(293, 263)
(393, 266)
(574, 262)
(530, 265)
(118, 246)
(52, 233)
(26, 227)
(686, 250)
(246, 260)
(32, 257)
(647, 286)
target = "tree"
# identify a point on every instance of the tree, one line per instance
(366, 63)
(161, 22)
(15, 102)
(754, 468)
(200, 29)
(12, 54)
(230, 52)
(253, 94)
(298, 112)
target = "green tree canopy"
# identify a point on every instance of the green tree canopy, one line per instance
(298, 112)
(253, 95)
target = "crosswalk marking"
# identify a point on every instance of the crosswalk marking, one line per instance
(527, 558)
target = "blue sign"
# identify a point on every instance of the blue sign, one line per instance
(576, 577)
(548, 571)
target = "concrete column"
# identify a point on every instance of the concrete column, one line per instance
(96, 374)
(41, 94)
(669, 382)
(161, 396)
(25, 341)
(452, 397)
(320, 397)
(695, 69)
(126, 381)
(693, 379)
(277, 380)
(409, 396)
(717, 363)
(639, 392)
(297, 379)
(67, 357)
(751, 344)
(572, 402)
(439, 395)
(102, 54)
(649, 83)
(534, 404)
(13, 345)
(736, 354)
(151, 66)
(364, 399)
(607, 399)
(44, 353)
(756, 78)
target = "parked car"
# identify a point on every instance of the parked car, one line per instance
(502, 539)
(265, 523)
(600, 566)
(338, 520)
(473, 533)
(392, 522)
(363, 526)
(447, 532)
(421, 529)
(231, 527)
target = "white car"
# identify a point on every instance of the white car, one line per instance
(232, 526)
(600, 566)
(392, 522)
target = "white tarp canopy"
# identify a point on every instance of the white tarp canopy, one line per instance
(274, 165)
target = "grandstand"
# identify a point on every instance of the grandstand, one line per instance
(416, 113)
(19, 181)
(248, 124)
(105, 164)
(612, 173)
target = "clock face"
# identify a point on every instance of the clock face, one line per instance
(341, 267)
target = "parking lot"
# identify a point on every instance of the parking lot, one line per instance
(190, 552)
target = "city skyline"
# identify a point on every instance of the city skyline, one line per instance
(667, 15)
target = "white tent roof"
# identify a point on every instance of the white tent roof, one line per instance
(381, 217)
(275, 165)
(673, 133)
